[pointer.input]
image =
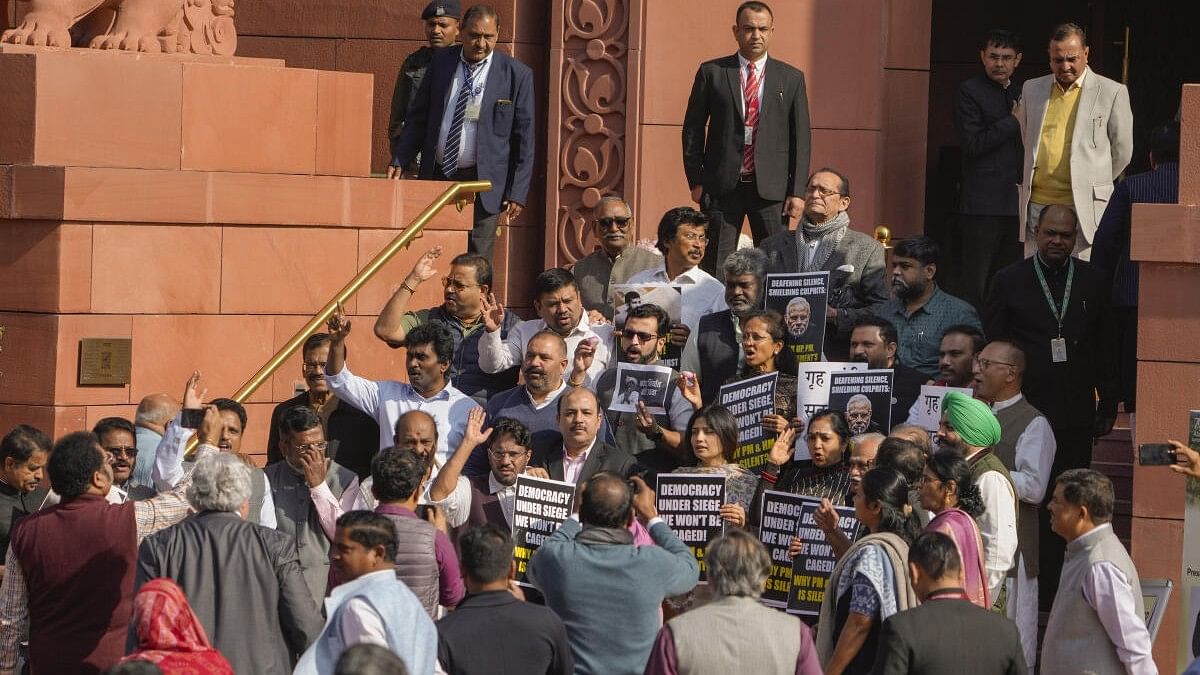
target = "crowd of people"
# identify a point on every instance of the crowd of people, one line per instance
(378, 536)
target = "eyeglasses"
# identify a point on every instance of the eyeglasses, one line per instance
(310, 367)
(319, 445)
(693, 237)
(985, 363)
(867, 464)
(457, 285)
(821, 192)
(119, 450)
(638, 336)
(512, 455)
(609, 221)
(755, 338)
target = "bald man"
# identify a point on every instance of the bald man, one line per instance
(153, 413)
(582, 455)
(1027, 449)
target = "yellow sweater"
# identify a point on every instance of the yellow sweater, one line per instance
(1052, 171)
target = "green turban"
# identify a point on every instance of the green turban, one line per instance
(973, 420)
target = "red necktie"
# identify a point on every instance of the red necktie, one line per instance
(750, 96)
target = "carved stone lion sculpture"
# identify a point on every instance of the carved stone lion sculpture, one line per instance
(172, 26)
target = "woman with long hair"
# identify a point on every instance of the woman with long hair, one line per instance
(710, 440)
(828, 477)
(948, 493)
(870, 582)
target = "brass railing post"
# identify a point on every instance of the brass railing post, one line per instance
(414, 229)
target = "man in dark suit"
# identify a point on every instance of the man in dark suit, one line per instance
(754, 155)
(472, 119)
(533, 640)
(946, 633)
(353, 435)
(855, 261)
(583, 454)
(992, 153)
(259, 565)
(719, 336)
(1055, 308)
(1110, 250)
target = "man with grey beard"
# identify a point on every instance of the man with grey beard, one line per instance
(719, 335)
(616, 260)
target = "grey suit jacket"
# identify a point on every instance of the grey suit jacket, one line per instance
(781, 148)
(244, 583)
(856, 279)
(1101, 146)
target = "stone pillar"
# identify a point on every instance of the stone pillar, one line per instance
(1166, 242)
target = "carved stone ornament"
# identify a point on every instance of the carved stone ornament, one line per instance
(171, 26)
(591, 154)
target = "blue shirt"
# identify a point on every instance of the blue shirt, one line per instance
(920, 333)
(147, 446)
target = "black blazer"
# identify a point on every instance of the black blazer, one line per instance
(992, 151)
(353, 435)
(1016, 310)
(718, 350)
(532, 638)
(504, 139)
(603, 457)
(781, 149)
(948, 637)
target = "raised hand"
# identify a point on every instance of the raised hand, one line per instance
(339, 327)
(781, 452)
(644, 501)
(191, 397)
(475, 434)
(493, 313)
(585, 354)
(211, 427)
(314, 465)
(826, 517)
(424, 270)
(595, 318)
(689, 386)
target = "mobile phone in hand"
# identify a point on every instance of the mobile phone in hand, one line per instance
(191, 418)
(1156, 454)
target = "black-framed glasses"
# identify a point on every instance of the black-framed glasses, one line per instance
(510, 455)
(457, 285)
(609, 221)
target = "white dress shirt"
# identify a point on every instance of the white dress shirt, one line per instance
(387, 400)
(1036, 448)
(998, 527)
(1108, 591)
(496, 355)
(702, 295)
(360, 623)
(466, 146)
(168, 467)
(505, 494)
(759, 67)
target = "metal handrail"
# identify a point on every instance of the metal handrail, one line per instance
(458, 191)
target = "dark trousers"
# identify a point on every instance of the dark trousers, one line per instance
(483, 232)
(985, 244)
(1074, 452)
(726, 213)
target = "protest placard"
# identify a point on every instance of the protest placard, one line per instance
(865, 397)
(668, 297)
(813, 565)
(928, 412)
(800, 298)
(812, 392)
(780, 517)
(749, 400)
(690, 504)
(541, 506)
(637, 382)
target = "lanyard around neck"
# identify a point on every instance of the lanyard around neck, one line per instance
(1058, 313)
